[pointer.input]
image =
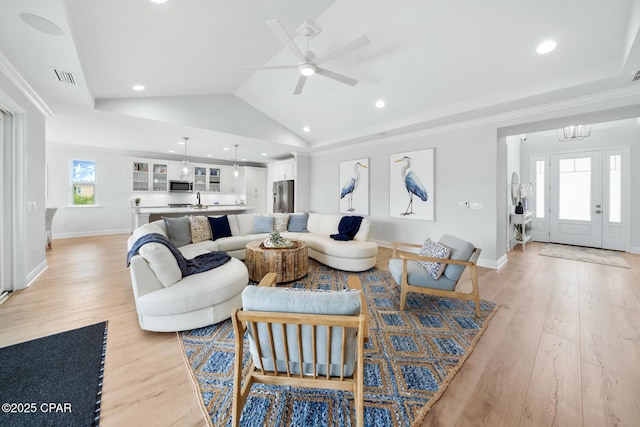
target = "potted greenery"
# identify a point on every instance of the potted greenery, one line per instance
(137, 201)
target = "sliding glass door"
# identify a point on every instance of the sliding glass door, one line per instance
(5, 237)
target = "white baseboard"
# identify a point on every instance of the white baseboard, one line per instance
(33, 275)
(634, 250)
(91, 233)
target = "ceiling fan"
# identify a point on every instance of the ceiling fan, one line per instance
(309, 64)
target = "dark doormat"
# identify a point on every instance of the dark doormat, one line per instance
(55, 380)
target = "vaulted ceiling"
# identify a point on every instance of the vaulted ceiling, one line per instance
(433, 62)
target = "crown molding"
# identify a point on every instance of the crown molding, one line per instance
(16, 78)
(520, 116)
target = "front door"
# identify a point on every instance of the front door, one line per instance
(576, 199)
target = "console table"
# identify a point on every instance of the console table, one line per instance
(519, 225)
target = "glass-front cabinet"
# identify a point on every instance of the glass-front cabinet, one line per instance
(140, 176)
(214, 180)
(199, 178)
(148, 176)
(160, 182)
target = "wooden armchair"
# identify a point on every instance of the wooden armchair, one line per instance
(299, 338)
(413, 278)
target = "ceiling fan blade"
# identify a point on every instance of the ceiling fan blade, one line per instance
(271, 67)
(285, 38)
(336, 76)
(300, 85)
(343, 50)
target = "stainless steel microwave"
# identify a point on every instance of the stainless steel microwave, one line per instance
(181, 186)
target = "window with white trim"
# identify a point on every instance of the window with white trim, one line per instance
(615, 188)
(83, 182)
(540, 189)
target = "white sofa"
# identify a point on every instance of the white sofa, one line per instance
(206, 298)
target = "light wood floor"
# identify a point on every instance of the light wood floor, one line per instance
(563, 349)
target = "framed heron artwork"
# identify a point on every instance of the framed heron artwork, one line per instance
(412, 185)
(354, 187)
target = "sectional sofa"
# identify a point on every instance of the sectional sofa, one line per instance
(167, 302)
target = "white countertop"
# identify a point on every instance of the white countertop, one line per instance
(167, 209)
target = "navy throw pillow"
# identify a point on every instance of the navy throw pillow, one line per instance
(219, 227)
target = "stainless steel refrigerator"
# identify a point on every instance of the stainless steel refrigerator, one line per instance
(283, 196)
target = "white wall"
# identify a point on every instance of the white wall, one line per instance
(29, 232)
(113, 182)
(114, 195)
(471, 165)
(465, 170)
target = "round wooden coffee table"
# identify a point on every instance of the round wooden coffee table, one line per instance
(288, 263)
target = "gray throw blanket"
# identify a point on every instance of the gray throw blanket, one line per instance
(199, 264)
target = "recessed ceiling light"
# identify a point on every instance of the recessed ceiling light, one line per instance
(41, 24)
(158, 1)
(172, 151)
(209, 155)
(264, 154)
(226, 148)
(181, 142)
(138, 87)
(244, 160)
(306, 129)
(546, 47)
(380, 103)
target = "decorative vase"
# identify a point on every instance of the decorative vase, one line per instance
(519, 208)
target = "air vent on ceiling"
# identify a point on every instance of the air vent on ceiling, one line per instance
(65, 77)
(636, 76)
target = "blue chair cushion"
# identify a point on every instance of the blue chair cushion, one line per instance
(418, 276)
(461, 250)
(288, 300)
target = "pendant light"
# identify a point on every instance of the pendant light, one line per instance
(236, 173)
(185, 163)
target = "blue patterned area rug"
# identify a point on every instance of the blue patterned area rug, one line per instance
(409, 360)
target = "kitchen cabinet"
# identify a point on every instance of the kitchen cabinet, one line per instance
(140, 178)
(159, 176)
(255, 188)
(228, 183)
(148, 176)
(282, 171)
(199, 178)
(214, 180)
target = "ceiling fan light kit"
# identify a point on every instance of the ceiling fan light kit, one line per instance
(307, 69)
(308, 63)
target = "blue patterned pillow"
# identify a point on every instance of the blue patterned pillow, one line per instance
(434, 250)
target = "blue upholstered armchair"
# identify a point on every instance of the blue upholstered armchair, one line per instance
(299, 338)
(412, 277)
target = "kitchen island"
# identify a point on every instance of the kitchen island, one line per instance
(144, 214)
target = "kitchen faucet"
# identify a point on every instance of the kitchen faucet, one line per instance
(198, 197)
